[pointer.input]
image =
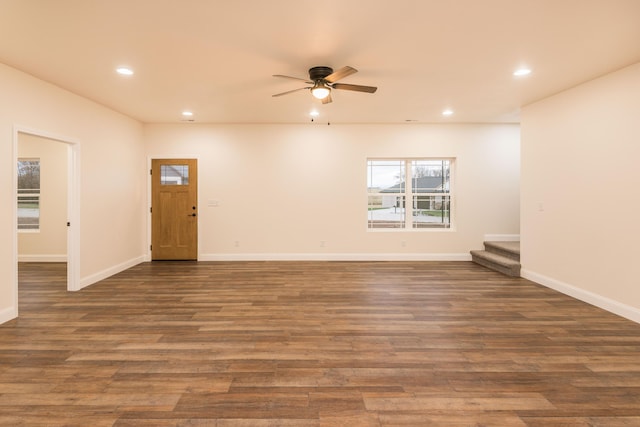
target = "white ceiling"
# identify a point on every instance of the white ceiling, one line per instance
(217, 57)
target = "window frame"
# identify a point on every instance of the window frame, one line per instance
(407, 224)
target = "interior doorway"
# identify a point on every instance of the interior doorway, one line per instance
(65, 223)
(42, 199)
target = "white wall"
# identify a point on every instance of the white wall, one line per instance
(580, 196)
(281, 190)
(49, 243)
(113, 171)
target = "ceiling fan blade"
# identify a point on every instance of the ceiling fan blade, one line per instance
(294, 78)
(327, 99)
(340, 74)
(357, 88)
(290, 91)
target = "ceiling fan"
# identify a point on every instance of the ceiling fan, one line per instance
(323, 79)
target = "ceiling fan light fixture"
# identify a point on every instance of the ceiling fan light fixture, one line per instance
(323, 80)
(320, 91)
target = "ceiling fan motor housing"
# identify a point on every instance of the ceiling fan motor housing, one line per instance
(319, 73)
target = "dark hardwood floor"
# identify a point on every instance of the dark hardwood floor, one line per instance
(313, 344)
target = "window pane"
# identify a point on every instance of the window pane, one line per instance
(174, 174)
(431, 211)
(430, 176)
(28, 194)
(385, 176)
(386, 211)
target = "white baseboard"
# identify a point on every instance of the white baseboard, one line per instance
(101, 275)
(336, 257)
(501, 237)
(42, 258)
(599, 301)
(7, 314)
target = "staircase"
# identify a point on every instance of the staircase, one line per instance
(499, 256)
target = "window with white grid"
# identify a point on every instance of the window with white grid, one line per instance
(409, 193)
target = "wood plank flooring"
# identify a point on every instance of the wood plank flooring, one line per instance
(313, 344)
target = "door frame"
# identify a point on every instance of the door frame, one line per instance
(73, 205)
(147, 256)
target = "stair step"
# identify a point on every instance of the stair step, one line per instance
(506, 249)
(497, 262)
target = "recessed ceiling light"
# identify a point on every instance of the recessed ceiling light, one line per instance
(447, 112)
(187, 113)
(314, 113)
(522, 72)
(125, 71)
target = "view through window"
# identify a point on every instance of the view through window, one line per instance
(409, 193)
(28, 194)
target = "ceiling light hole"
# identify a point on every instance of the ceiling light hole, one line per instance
(124, 71)
(521, 72)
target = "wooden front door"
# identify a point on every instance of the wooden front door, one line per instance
(174, 209)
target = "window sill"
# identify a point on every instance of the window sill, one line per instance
(411, 230)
